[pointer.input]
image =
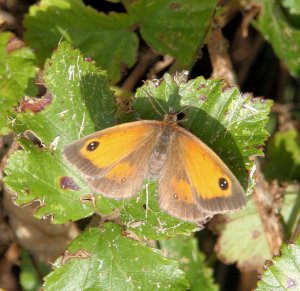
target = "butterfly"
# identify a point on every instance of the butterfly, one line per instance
(193, 182)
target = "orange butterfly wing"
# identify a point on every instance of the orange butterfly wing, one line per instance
(175, 194)
(115, 160)
(195, 183)
(214, 186)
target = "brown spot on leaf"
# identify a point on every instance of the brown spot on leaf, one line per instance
(268, 264)
(88, 198)
(88, 59)
(14, 44)
(125, 233)
(259, 277)
(27, 191)
(175, 6)
(162, 37)
(48, 217)
(35, 105)
(35, 204)
(80, 254)
(256, 234)
(130, 234)
(291, 283)
(68, 183)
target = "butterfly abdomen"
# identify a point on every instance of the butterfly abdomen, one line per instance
(159, 153)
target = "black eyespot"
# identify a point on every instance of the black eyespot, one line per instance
(223, 183)
(92, 146)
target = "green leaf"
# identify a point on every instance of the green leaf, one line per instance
(151, 222)
(245, 228)
(283, 272)
(105, 38)
(283, 156)
(108, 260)
(30, 273)
(78, 102)
(17, 75)
(177, 28)
(192, 262)
(290, 209)
(242, 239)
(280, 33)
(292, 5)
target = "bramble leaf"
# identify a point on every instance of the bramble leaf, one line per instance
(106, 259)
(107, 39)
(185, 250)
(17, 75)
(280, 32)
(283, 271)
(77, 102)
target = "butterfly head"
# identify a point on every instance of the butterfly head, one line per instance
(171, 117)
(174, 116)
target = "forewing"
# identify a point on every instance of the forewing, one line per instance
(113, 145)
(114, 161)
(216, 188)
(126, 177)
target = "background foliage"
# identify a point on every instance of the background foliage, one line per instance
(69, 68)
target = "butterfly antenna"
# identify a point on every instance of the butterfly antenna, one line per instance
(188, 106)
(155, 106)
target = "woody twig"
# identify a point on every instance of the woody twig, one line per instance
(267, 200)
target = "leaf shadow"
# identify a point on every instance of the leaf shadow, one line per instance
(280, 163)
(98, 100)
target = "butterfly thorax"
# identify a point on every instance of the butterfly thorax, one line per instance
(163, 142)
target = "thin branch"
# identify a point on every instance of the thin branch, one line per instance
(267, 203)
(218, 51)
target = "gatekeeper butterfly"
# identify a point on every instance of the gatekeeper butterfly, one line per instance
(193, 182)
